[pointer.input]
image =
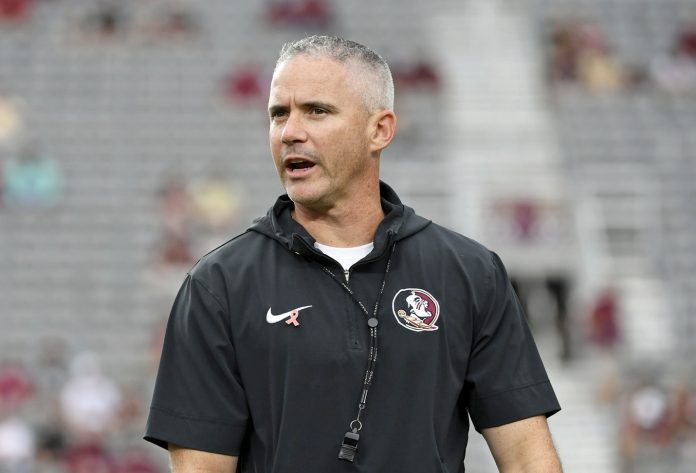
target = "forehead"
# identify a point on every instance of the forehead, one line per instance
(308, 77)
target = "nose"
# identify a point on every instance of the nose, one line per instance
(293, 130)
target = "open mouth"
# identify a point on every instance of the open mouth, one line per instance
(297, 164)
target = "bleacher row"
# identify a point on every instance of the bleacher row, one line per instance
(638, 29)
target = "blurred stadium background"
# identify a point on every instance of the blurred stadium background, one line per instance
(560, 133)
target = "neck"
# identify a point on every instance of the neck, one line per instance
(343, 226)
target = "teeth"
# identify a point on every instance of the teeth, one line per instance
(298, 163)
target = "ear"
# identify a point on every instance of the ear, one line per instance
(382, 130)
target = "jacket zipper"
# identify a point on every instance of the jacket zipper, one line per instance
(354, 337)
(346, 272)
(353, 319)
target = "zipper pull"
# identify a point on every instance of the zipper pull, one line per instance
(346, 273)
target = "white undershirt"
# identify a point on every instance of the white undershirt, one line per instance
(346, 257)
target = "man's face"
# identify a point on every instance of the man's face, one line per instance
(318, 131)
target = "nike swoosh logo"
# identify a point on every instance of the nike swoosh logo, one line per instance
(272, 319)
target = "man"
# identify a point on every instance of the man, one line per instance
(342, 332)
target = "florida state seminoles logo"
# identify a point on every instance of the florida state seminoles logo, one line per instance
(416, 309)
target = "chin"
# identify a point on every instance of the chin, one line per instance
(304, 199)
(310, 200)
(304, 193)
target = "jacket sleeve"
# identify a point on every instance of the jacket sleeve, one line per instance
(506, 380)
(199, 400)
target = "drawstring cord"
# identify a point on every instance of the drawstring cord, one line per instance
(350, 440)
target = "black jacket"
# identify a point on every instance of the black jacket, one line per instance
(242, 375)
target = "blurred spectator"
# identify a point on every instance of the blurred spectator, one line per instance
(217, 211)
(685, 424)
(581, 55)
(50, 448)
(16, 445)
(217, 204)
(604, 334)
(107, 21)
(685, 408)
(176, 251)
(88, 456)
(10, 118)
(32, 179)
(525, 219)
(300, 13)
(648, 410)
(559, 288)
(14, 11)
(565, 51)
(130, 412)
(16, 387)
(177, 207)
(89, 401)
(597, 68)
(174, 22)
(675, 72)
(136, 461)
(527, 222)
(604, 325)
(178, 219)
(245, 83)
(646, 434)
(420, 75)
(687, 41)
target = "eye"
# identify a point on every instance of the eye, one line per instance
(317, 111)
(276, 114)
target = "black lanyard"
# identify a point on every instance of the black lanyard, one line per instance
(350, 439)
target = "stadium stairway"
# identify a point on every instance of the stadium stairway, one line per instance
(611, 157)
(634, 151)
(503, 145)
(585, 433)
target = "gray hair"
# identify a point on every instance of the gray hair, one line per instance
(378, 90)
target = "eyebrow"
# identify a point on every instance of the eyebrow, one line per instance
(305, 106)
(273, 109)
(326, 106)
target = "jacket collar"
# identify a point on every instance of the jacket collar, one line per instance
(399, 222)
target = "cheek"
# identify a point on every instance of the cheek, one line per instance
(274, 141)
(344, 141)
(275, 154)
(351, 148)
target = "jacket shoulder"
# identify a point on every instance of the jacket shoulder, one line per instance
(444, 236)
(465, 253)
(234, 253)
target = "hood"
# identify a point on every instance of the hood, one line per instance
(399, 222)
